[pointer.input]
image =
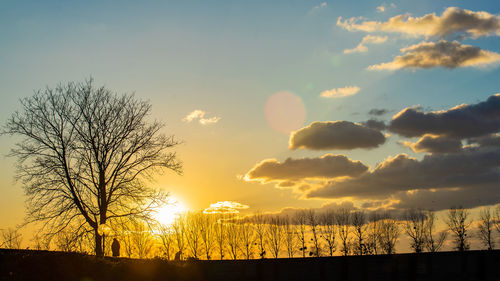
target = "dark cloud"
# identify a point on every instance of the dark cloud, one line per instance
(443, 199)
(378, 112)
(375, 124)
(292, 170)
(436, 144)
(441, 54)
(292, 212)
(487, 141)
(335, 135)
(462, 121)
(470, 170)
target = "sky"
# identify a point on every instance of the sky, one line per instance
(282, 104)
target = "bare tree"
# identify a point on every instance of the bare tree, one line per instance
(220, 235)
(66, 240)
(194, 225)
(414, 225)
(141, 237)
(39, 243)
(344, 228)
(275, 233)
(128, 243)
(486, 227)
(358, 221)
(328, 230)
(179, 231)
(86, 153)
(389, 234)
(247, 238)
(373, 233)
(433, 243)
(260, 232)
(207, 234)
(233, 239)
(167, 241)
(11, 238)
(290, 236)
(496, 219)
(458, 223)
(313, 221)
(300, 221)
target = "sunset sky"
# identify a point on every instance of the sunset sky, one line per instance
(282, 104)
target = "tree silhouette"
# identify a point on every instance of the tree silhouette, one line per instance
(343, 220)
(485, 228)
(458, 222)
(85, 155)
(432, 242)
(414, 225)
(300, 220)
(389, 233)
(10, 238)
(328, 230)
(358, 220)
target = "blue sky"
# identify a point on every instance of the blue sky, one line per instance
(226, 58)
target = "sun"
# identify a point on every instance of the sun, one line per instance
(168, 213)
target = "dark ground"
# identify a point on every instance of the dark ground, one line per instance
(44, 265)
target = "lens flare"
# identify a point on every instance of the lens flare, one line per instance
(285, 112)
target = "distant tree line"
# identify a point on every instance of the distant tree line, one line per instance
(306, 233)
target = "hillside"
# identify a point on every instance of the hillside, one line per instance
(46, 265)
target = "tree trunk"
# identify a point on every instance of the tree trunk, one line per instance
(98, 244)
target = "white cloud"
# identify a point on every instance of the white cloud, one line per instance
(368, 39)
(194, 115)
(211, 120)
(225, 207)
(322, 5)
(381, 9)
(199, 115)
(340, 92)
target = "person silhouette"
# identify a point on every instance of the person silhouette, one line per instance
(115, 247)
(178, 256)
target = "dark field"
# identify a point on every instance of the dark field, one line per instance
(44, 265)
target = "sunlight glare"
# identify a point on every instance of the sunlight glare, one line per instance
(167, 214)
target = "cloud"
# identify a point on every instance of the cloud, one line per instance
(443, 54)
(467, 172)
(225, 207)
(378, 112)
(443, 199)
(199, 115)
(452, 22)
(492, 140)
(211, 120)
(292, 170)
(194, 115)
(322, 5)
(335, 135)
(291, 212)
(436, 144)
(463, 121)
(375, 124)
(382, 8)
(368, 39)
(340, 92)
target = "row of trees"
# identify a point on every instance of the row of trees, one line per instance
(306, 233)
